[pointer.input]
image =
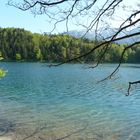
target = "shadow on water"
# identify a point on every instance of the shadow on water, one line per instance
(44, 133)
(53, 136)
(39, 133)
(6, 127)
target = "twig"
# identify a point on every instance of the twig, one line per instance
(130, 84)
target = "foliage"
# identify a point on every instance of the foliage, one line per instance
(2, 73)
(18, 56)
(19, 44)
(1, 57)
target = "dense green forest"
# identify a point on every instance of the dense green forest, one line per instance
(21, 45)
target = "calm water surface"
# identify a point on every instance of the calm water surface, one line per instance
(41, 103)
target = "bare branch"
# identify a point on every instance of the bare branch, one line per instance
(120, 61)
(98, 46)
(56, 11)
(130, 84)
(27, 5)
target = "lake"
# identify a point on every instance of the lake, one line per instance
(65, 102)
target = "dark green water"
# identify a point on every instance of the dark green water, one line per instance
(41, 103)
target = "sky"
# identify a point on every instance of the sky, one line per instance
(13, 17)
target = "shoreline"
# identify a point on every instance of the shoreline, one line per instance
(90, 63)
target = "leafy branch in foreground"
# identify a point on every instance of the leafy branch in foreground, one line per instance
(2, 71)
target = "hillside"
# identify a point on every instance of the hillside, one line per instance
(21, 45)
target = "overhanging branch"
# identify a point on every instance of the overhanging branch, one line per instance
(130, 84)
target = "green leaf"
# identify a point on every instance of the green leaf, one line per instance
(1, 58)
(2, 73)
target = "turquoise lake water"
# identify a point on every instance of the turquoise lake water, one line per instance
(65, 102)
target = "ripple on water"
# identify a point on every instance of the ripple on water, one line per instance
(66, 103)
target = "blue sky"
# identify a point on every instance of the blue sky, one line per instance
(12, 17)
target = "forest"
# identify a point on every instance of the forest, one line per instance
(17, 44)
